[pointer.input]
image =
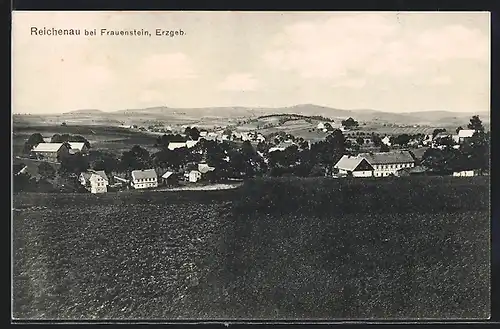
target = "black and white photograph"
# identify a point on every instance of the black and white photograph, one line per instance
(250, 165)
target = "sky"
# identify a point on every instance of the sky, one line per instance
(387, 61)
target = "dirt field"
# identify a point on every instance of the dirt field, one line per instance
(281, 248)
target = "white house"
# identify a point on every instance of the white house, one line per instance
(145, 178)
(94, 181)
(190, 144)
(464, 134)
(320, 126)
(388, 163)
(175, 145)
(203, 133)
(194, 176)
(466, 173)
(281, 147)
(355, 166)
(204, 168)
(386, 140)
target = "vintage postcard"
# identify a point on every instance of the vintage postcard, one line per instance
(251, 165)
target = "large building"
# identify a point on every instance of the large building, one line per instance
(51, 151)
(146, 178)
(388, 163)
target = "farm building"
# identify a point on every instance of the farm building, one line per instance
(355, 166)
(94, 181)
(204, 168)
(388, 163)
(418, 170)
(193, 176)
(145, 178)
(80, 147)
(466, 173)
(190, 144)
(320, 126)
(51, 151)
(167, 178)
(281, 147)
(175, 145)
(464, 134)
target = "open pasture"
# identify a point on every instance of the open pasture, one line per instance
(274, 248)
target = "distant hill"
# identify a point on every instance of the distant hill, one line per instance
(230, 114)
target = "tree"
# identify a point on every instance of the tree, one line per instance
(46, 171)
(458, 129)
(384, 148)
(360, 140)
(438, 131)
(32, 141)
(476, 124)
(192, 132)
(377, 141)
(75, 164)
(135, 159)
(401, 140)
(350, 123)
(105, 161)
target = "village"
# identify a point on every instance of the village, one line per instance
(199, 157)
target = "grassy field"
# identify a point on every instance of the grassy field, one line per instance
(113, 139)
(280, 248)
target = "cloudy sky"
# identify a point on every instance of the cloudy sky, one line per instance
(395, 61)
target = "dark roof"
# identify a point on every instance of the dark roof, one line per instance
(388, 157)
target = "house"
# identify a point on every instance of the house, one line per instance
(464, 134)
(194, 176)
(145, 178)
(388, 163)
(175, 145)
(260, 138)
(386, 140)
(466, 173)
(51, 151)
(190, 144)
(204, 168)
(320, 126)
(281, 147)
(355, 166)
(94, 181)
(414, 171)
(167, 177)
(78, 147)
(203, 133)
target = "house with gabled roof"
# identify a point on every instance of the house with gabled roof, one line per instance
(78, 147)
(388, 163)
(282, 146)
(145, 178)
(354, 166)
(464, 134)
(175, 145)
(94, 181)
(51, 151)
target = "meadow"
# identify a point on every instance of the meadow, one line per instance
(109, 138)
(275, 248)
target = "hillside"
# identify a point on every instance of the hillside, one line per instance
(222, 116)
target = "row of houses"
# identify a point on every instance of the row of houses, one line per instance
(98, 182)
